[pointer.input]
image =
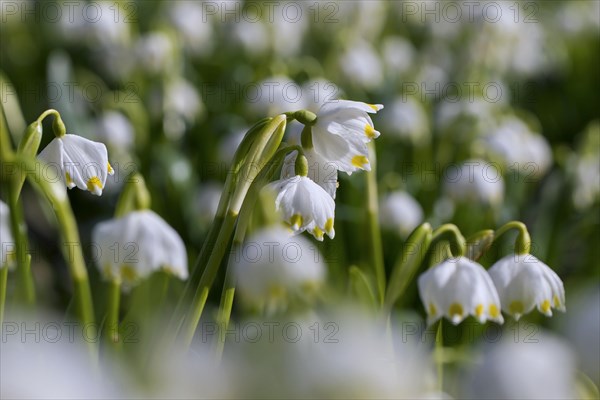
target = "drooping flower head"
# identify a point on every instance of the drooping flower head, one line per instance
(137, 244)
(81, 162)
(305, 206)
(524, 282)
(457, 288)
(342, 131)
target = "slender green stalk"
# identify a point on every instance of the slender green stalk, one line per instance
(25, 285)
(439, 348)
(224, 314)
(208, 276)
(111, 323)
(72, 250)
(3, 279)
(458, 242)
(376, 248)
(523, 240)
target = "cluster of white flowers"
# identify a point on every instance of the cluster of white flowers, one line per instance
(339, 138)
(515, 284)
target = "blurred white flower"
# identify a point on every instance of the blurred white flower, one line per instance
(230, 143)
(7, 251)
(523, 366)
(317, 92)
(136, 245)
(579, 17)
(275, 95)
(342, 131)
(448, 111)
(80, 161)
(343, 354)
(252, 36)
(115, 129)
(582, 326)
(475, 181)
(273, 265)
(583, 167)
(207, 200)
(400, 212)
(182, 106)
(361, 65)
(287, 31)
(398, 55)
(524, 282)
(304, 205)
(155, 52)
(29, 363)
(519, 148)
(457, 288)
(193, 24)
(407, 118)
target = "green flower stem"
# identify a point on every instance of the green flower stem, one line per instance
(135, 196)
(208, 276)
(523, 240)
(3, 279)
(450, 232)
(439, 359)
(56, 194)
(111, 323)
(408, 263)
(58, 126)
(376, 249)
(224, 314)
(25, 285)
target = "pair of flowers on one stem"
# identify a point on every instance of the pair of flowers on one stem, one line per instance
(333, 140)
(515, 284)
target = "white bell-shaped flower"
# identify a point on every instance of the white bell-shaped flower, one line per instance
(321, 171)
(7, 243)
(524, 282)
(457, 288)
(80, 161)
(342, 131)
(134, 246)
(273, 264)
(304, 205)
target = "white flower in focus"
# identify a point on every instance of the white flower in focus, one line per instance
(7, 251)
(524, 282)
(342, 131)
(527, 364)
(81, 162)
(475, 181)
(400, 212)
(457, 288)
(321, 171)
(136, 245)
(273, 265)
(304, 205)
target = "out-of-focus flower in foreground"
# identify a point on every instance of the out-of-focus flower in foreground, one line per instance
(137, 244)
(524, 282)
(7, 243)
(81, 162)
(457, 288)
(523, 366)
(274, 265)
